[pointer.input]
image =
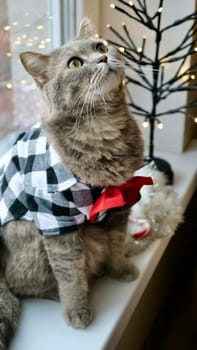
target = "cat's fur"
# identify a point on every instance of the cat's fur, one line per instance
(87, 120)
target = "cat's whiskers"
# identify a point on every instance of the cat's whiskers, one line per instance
(87, 103)
(102, 95)
(94, 77)
(96, 80)
(75, 106)
(92, 111)
(77, 110)
(79, 106)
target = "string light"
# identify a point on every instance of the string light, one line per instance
(121, 49)
(131, 3)
(96, 35)
(192, 77)
(29, 41)
(112, 6)
(145, 123)
(123, 82)
(195, 120)
(23, 81)
(159, 125)
(6, 28)
(163, 64)
(139, 49)
(160, 9)
(195, 49)
(9, 86)
(40, 27)
(108, 26)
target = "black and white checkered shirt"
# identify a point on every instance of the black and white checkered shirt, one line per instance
(36, 186)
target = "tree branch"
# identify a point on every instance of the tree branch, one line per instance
(139, 19)
(178, 109)
(136, 82)
(118, 35)
(190, 17)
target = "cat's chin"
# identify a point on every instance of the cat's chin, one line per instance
(109, 82)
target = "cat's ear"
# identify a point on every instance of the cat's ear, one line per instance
(86, 29)
(36, 64)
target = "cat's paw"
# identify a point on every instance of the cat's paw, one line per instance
(79, 318)
(130, 274)
(127, 272)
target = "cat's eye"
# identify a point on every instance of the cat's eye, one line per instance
(75, 63)
(101, 48)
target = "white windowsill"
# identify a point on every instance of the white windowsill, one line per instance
(113, 302)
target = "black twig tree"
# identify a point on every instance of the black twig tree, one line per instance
(183, 79)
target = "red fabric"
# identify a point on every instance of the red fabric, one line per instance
(119, 196)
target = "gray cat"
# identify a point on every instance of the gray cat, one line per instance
(87, 141)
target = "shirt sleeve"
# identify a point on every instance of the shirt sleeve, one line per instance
(12, 198)
(54, 213)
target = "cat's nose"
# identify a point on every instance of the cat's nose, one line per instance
(102, 59)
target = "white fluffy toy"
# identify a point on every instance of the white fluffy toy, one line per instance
(156, 215)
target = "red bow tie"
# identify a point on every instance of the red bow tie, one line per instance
(119, 196)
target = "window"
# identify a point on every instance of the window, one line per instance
(28, 25)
